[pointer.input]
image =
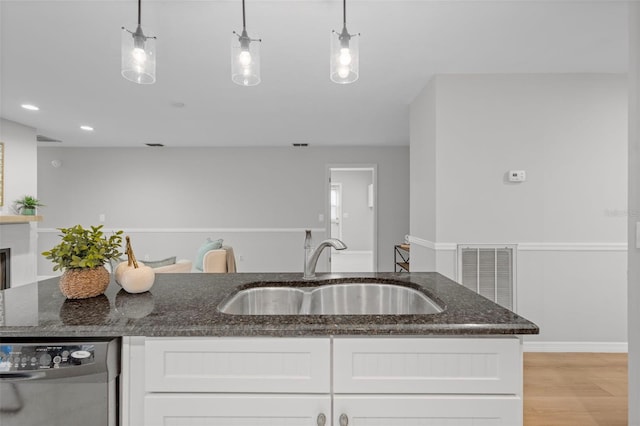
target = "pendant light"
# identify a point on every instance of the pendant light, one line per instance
(138, 54)
(245, 56)
(344, 66)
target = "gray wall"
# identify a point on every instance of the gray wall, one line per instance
(357, 227)
(569, 132)
(634, 216)
(258, 199)
(423, 127)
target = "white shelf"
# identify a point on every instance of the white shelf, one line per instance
(16, 218)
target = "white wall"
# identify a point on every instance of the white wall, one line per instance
(569, 133)
(634, 216)
(357, 223)
(20, 178)
(20, 164)
(259, 199)
(423, 126)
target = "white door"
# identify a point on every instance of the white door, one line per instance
(237, 409)
(351, 208)
(420, 410)
(335, 206)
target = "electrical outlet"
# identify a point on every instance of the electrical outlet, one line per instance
(320, 217)
(240, 258)
(102, 217)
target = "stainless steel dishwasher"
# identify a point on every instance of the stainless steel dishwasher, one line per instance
(59, 383)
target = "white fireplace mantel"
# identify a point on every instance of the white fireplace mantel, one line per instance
(19, 233)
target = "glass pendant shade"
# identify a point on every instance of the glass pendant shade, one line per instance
(138, 56)
(245, 60)
(344, 65)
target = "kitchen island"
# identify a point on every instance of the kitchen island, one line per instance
(185, 363)
(186, 305)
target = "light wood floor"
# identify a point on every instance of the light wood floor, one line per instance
(575, 389)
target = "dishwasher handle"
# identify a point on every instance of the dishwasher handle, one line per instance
(21, 377)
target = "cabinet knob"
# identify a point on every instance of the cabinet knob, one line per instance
(322, 419)
(344, 420)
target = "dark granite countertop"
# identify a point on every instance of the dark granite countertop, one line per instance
(186, 305)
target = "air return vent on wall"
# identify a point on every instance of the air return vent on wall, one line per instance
(489, 270)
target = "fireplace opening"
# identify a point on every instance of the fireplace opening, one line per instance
(5, 268)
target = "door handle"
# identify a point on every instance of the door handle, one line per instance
(344, 420)
(322, 419)
(20, 377)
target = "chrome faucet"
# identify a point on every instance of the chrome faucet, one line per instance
(311, 257)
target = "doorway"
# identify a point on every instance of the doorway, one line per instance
(335, 206)
(352, 213)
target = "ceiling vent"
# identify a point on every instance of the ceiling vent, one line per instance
(42, 138)
(300, 144)
(155, 145)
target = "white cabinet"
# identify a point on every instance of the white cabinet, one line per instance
(428, 365)
(227, 365)
(427, 381)
(226, 381)
(426, 410)
(236, 409)
(370, 381)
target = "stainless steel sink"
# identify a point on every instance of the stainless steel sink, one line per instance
(265, 301)
(334, 299)
(370, 299)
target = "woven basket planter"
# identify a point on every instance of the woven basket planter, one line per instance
(84, 283)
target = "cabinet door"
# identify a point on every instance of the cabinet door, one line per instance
(419, 410)
(236, 410)
(427, 365)
(226, 365)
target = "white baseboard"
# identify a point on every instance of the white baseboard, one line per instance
(352, 252)
(610, 347)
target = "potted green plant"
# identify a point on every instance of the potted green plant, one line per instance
(82, 254)
(27, 205)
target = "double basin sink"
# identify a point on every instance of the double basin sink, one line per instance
(348, 298)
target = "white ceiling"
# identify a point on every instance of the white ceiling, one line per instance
(64, 56)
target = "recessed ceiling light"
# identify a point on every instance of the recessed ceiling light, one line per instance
(87, 128)
(30, 107)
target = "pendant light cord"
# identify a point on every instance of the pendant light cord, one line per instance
(244, 22)
(344, 12)
(139, 12)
